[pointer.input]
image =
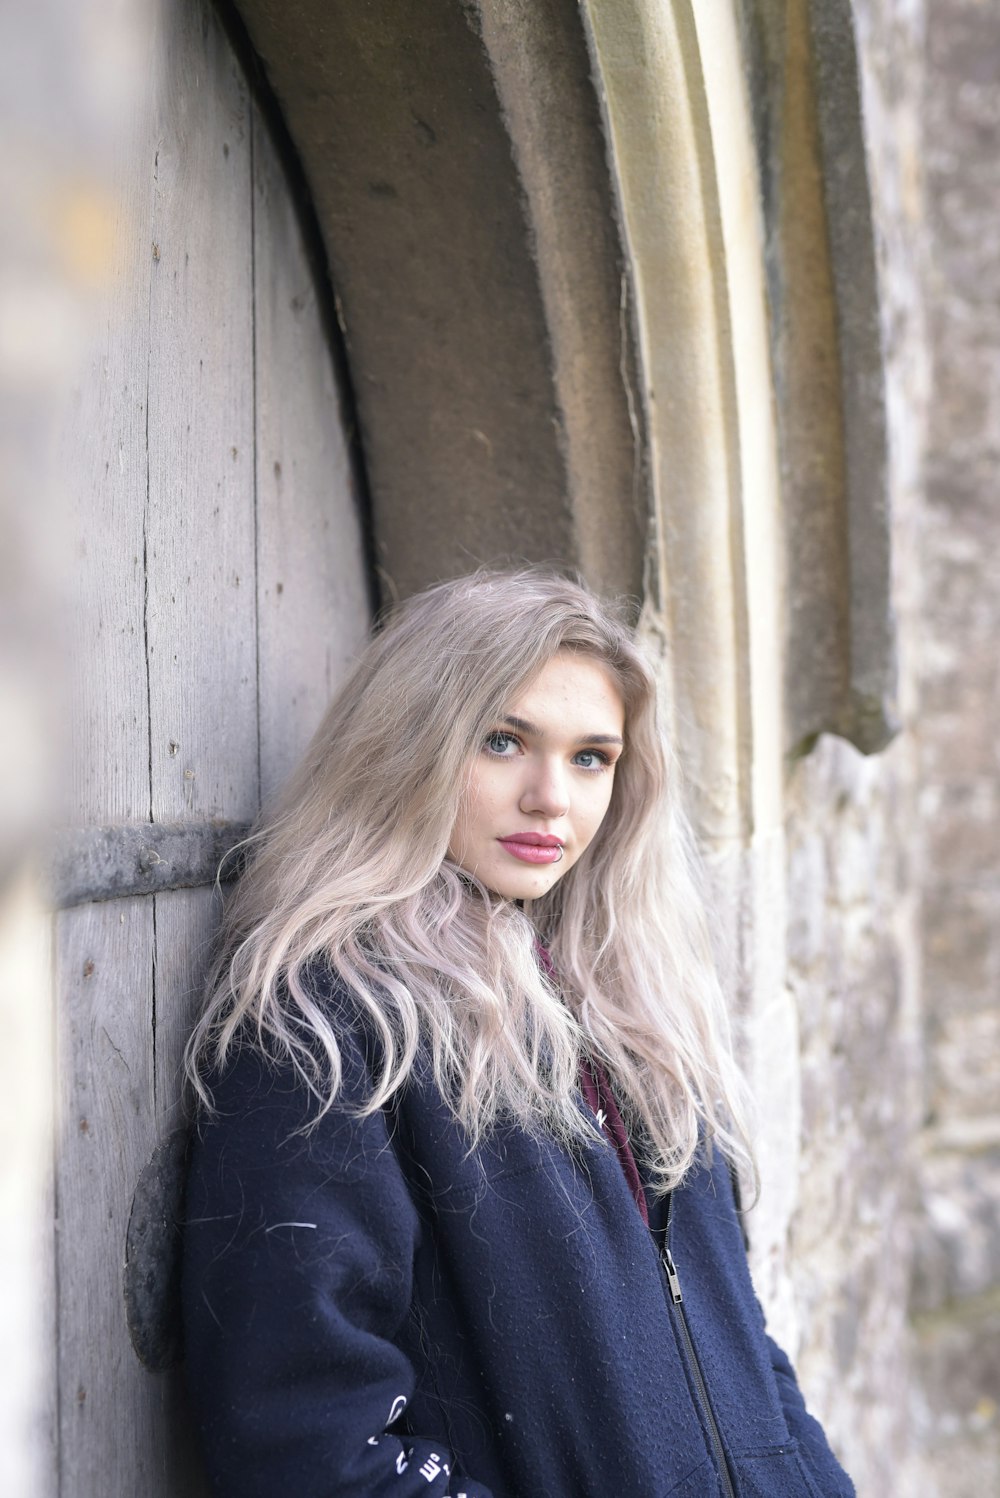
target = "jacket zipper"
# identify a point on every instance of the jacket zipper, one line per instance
(677, 1303)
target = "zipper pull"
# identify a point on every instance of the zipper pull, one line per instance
(673, 1278)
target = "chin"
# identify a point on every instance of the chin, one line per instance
(528, 886)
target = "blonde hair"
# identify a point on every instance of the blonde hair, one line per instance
(350, 868)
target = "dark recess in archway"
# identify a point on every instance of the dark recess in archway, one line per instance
(460, 181)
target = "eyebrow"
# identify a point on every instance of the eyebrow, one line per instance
(532, 729)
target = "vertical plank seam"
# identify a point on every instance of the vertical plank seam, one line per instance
(145, 626)
(145, 513)
(252, 120)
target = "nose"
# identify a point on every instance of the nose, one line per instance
(546, 792)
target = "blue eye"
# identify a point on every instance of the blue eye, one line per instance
(598, 760)
(501, 744)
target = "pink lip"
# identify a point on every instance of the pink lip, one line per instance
(533, 847)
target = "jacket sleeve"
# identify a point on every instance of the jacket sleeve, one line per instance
(829, 1476)
(297, 1279)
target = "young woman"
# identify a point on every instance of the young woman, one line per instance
(461, 1216)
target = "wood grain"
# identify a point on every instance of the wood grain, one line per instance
(106, 457)
(312, 598)
(201, 615)
(108, 1403)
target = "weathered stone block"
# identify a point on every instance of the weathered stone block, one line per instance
(957, 1256)
(961, 954)
(961, 820)
(962, 1076)
(957, 1405)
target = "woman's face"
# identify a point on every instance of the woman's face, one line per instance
(540, 785)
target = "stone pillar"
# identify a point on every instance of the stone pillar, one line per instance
(853, 944)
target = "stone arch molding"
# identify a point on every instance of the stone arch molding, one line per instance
(606, 282)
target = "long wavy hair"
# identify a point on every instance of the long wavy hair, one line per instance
(349, 868)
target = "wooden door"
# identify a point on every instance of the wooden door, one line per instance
(220, 589)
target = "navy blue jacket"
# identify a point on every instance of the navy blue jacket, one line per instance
(507, 1313)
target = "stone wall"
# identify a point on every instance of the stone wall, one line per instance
(849, 1243)
(894, 892)
(957, 684)
(852, 944)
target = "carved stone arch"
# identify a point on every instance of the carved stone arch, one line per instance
(749, 223)
(673, 85)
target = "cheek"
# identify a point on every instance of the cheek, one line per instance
(598, 806)
(475, 810)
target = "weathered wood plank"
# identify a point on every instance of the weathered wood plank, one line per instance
(200, 529)
(47, 1442)
(109, 1404)
(106, 456)
(312, 594)
(123, 1022)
